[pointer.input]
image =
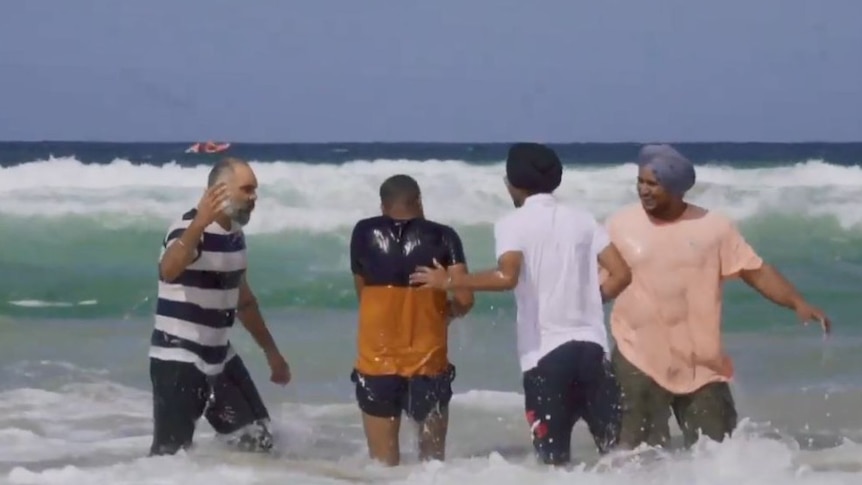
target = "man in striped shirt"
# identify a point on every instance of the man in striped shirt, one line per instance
(202, 287)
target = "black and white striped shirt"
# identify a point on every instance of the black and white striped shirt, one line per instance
(195, 311)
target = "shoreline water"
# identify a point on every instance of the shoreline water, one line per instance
(89, 408)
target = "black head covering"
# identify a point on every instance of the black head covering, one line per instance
(533, 167)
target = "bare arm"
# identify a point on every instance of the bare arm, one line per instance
(357, 247)
(358, 285)
(738, 259)
(462, 300)
(619, 273)
(503, 278)
(249, 314)
(772, 285)
(181, 252)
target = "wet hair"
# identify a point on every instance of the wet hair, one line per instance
(222, 168)
(400, 189)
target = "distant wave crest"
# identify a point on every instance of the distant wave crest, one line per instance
(323, 198)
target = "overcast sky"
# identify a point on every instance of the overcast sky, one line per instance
(444, 70)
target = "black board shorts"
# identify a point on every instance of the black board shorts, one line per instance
(229, 401)
(574, 381)
(387, 396)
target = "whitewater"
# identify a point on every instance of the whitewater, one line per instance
(325, 197)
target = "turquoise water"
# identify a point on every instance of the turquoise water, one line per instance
(97, 271)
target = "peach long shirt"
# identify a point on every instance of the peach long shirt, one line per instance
(667, 323)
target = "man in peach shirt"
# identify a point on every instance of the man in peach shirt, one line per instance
(667, 323)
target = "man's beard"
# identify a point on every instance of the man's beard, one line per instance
(239, 213)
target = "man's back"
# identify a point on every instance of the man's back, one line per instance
(402, 330)
(386, 250)
(558, 292)
(549, 255)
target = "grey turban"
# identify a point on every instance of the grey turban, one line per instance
(672, 170)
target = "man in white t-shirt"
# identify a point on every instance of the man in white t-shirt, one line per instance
(549, 253)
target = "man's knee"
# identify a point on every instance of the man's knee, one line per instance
(553, 451)
(644, 406)
(550, 419)
(379, 396)
(173, 430)
(432, 435)
(381, 434)
(428, 397)
(644, 421)
(550, 430)
(179, 398)
(235, 385)
(603, 410)
(239, 418)
(552, 438)
(710, 411)
(607, 430)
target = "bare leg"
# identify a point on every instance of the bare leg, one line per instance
(432, 435)
(382, 437)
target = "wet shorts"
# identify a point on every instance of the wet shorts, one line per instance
(573, 381)
(708, 411)
(229, 401)
(389, 395)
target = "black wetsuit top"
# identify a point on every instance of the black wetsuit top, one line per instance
(384, 251)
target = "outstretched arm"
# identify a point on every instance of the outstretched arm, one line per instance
(504, 277)
(775, 287)
(738, 258)
(462, 299)
(772, 285)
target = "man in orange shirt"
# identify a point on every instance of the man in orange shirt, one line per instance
(667, 323)
(403, 363)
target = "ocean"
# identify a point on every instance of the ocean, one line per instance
(81, 226)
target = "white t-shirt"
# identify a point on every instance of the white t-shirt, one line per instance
(557, 296)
